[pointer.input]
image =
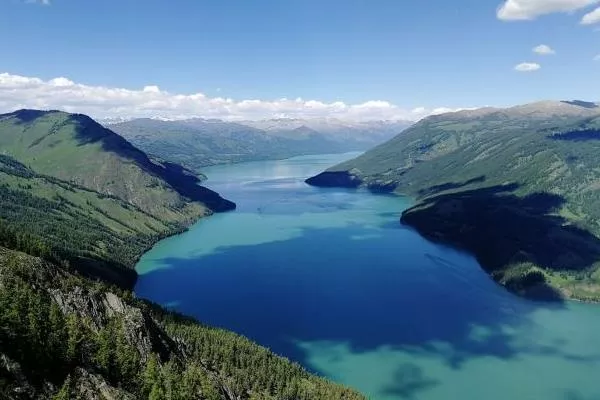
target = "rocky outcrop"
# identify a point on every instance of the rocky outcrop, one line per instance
(90, 386)
(66, 337)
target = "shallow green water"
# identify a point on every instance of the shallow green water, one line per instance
(330, 278)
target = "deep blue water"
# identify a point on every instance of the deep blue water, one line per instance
(331, 279)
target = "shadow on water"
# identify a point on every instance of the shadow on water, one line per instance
(323, 286)
(526, 229)
(371, 293)
(409, 379)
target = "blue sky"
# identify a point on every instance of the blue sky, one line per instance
(411, 54)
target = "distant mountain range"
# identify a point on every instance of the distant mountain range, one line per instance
(519, 187)
(196, 143)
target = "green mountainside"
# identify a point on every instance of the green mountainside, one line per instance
(64, 337)
(196, 143)
(78, 206)
(82, 194)
(518, 187)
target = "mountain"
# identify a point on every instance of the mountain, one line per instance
(85, 195)
(518, 187)
(196, 143)
(363, 135)
(78, 206)
(65, 337)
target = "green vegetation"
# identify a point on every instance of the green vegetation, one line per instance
(65, 337)
(76, 193)
(518, 187)
(84, 205)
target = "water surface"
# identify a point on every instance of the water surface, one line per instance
(331, 279)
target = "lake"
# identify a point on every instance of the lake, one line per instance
(331, 279)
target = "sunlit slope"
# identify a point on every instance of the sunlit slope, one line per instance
(520, 187)
(77, 192)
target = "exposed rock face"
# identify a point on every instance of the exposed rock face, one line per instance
(139, 329)
(94, 387)
(65, 337)
(99, 307)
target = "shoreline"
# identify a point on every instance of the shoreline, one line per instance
(519, 275)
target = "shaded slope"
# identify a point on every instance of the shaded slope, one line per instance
(74, 192)
(541, 149)
(74, 147)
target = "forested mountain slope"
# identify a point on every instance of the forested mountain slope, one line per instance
(519, 187)
(65, 337)
(78, 206)
(73, 191)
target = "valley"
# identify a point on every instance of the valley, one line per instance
(79, 205)
(330, 278)
(198, 143)
(320, 275)
(299, 200)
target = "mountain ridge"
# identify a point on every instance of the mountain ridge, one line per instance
(197, 143)
(59, 171)
(532, 166)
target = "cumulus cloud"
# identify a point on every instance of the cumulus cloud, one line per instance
(544, 50)
(527, 67)
(514, 10)
(151, 101)
(591, 17)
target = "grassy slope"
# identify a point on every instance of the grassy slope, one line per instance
(518, 187)
(75, 148)
(82, 194)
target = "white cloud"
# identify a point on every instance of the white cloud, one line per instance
(597, 58)
(527, 67)
(591, 17)
(151, 89)
(544, 50)
(151, 101)
(43, 2)
(512, 10)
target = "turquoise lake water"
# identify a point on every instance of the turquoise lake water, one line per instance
(331, 279)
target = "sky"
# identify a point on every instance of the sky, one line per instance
(254, 59)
